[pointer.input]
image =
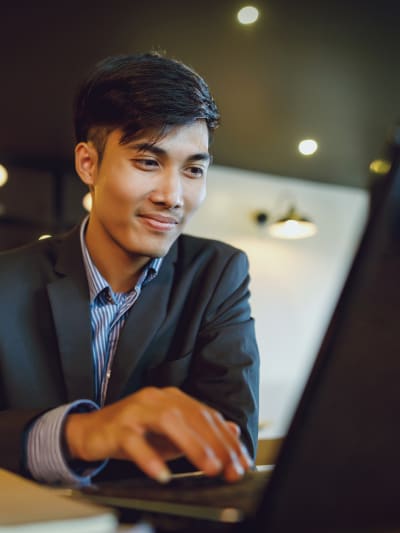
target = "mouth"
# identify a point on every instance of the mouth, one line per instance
(158, 222)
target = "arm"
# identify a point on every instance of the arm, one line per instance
(225, 367)
(31, 443)
(46, 459)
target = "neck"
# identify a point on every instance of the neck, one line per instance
(119, 268)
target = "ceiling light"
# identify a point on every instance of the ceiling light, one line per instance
(308, 147)
(247, 15)
(3, 175)
(380, 166)
(87, 201)
(44, 236)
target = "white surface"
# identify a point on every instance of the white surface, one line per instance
(295, 284)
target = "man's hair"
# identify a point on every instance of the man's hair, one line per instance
(138, 94)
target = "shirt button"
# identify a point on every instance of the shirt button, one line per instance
(109, 298)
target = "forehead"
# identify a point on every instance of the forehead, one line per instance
(192, 136)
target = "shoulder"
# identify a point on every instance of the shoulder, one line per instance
(31, 261)
(216, 274)
(21, 257)
(209, 259)
(204, 250)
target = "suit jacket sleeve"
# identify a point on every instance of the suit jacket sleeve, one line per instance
(225, 366)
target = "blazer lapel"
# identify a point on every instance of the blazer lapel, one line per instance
(143, 322)
(69, 300)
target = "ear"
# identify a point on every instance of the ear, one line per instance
(86, 160)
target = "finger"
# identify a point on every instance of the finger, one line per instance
(240, 459)
(207, 454)
(219, 434)
(192, 443)
(244, 452)
(163, 445)
(237, 432)
(206, 420)
(234, 428)
(135, 448)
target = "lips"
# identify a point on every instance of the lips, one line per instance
(159, 222)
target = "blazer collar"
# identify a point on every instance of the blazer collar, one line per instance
(144, 320)
(69, 300)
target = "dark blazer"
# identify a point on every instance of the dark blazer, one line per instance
(190, 328)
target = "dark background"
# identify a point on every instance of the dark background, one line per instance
(319, 69)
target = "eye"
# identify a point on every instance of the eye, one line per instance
(145, 163)
(195, 172)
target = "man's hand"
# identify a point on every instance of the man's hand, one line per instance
(155, 425)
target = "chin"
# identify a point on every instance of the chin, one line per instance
(155, 250)
(160, 251)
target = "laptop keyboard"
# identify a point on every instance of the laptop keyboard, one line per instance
(195, 489)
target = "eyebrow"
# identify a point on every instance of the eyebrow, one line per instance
(156, 150)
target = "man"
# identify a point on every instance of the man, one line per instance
(125, 339)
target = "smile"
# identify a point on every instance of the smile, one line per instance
(159, 222)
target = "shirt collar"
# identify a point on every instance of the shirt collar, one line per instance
(96, 281)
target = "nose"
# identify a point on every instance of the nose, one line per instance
(168, 190)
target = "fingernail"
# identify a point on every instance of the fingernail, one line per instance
(163, 475)
(236, 464)
(213, 464)
(239, 468)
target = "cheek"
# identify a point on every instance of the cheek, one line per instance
(195, 196)
(116, 191)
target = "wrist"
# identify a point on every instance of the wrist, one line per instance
(74, 435)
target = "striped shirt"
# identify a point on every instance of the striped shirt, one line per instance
(108, 312)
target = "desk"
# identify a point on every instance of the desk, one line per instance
(267, 450)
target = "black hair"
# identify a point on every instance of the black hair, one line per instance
(140, 93)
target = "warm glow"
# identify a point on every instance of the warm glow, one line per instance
(44, 236)
(247, 15)
(87, 202)
(3, 175)
(308, 147)
(380, 166)
(292, 229)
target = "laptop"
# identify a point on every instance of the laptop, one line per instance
(338, 469)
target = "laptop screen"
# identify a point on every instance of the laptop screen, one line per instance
(339, 467)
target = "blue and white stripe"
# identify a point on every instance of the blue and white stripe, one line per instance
(109, 311)
(45, 458)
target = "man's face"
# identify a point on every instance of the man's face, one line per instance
(143, 193)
